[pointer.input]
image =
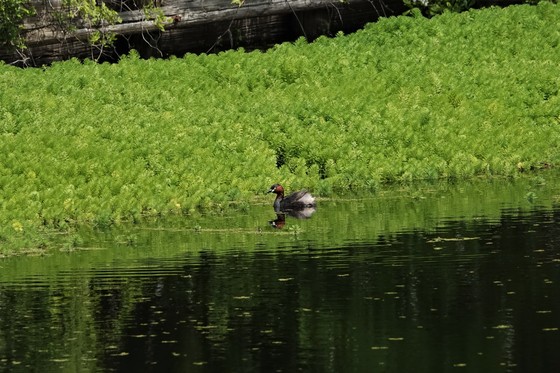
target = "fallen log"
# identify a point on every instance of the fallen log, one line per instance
(192, 26)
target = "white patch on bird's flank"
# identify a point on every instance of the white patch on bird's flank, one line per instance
(307, 199)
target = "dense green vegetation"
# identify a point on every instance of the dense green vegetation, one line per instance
(407, 98)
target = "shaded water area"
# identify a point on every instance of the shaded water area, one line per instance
(460, 277)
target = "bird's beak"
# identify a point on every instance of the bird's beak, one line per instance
(271, 190)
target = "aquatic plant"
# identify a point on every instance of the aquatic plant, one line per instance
(452, 97)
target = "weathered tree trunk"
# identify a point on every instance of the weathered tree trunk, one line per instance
(197, 26)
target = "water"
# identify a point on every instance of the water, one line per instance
(425, 279)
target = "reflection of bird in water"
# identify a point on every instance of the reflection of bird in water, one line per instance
(279, 222)
(295, 201)
(300, 205)
(304, 213)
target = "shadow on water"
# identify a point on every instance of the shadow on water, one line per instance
(428, 279)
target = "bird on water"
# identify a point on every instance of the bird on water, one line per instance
(296, 201)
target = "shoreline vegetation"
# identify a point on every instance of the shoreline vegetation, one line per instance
(453, 97)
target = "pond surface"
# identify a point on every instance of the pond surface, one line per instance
(425, 279)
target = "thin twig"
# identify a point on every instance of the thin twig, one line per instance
(297, 19)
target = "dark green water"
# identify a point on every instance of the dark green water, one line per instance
(425, 279)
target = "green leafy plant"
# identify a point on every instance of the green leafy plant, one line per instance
(12, 14)
(72, 16)
(156, 15)
(88, 14)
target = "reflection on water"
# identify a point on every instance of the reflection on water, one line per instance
(280, 221)
(476, 291)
